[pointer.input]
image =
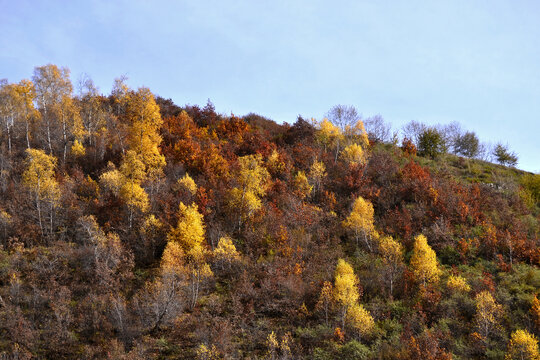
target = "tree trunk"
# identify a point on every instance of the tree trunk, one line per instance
(38, 205)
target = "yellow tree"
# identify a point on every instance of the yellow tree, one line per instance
(251, 179)
(317, 173)
(360, 221)
(188, 184)
(133, 174)
(354, 154)
(188, 237)
(111, 180)
(328, 134)
(189, 232)
(27, 94)
(126, 184)
(71, 122)
(487, 313)
(39, 178)
(392, 256)
(301, 185)
(347, 120)
(77, 149)
(360, 319)
(346, 292)
(458, 283)
(225, 252)
(142, 114)
(522, 346)
(16, 109)
(356, 134)
(208, 353)
(424, 261)
(325, 299)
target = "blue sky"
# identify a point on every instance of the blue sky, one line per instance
(476, 62)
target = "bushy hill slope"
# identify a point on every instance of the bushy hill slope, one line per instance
(136, 229)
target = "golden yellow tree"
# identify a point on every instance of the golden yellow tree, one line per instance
(346, 292)
(424, 261)
(126, 184)
(301, 185)
(360, 319)
(356, 134)
(71, 123)
(392, 256)
(328, 135)
(17, 110)
(111, 180)
(251, 179)
(347, 120)
(225, 252)
(522, 346)
(77, 149)
(325, 299)
(317, 173)
(487, 313)
(144, 120)
(187, 184)
(457, 283)
(354, 154)
(133, 174)
(27, 94)
(189, 232)
(187, 241)
(275, 164)
(208, 353)
(39, 178)
(360, 221)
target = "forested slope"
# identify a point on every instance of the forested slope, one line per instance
(132, 228)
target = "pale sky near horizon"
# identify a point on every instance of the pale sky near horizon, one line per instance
(471, 61)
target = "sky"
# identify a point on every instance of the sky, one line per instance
(471, 61)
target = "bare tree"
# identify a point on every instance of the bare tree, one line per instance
(377, 128)
(412, 131)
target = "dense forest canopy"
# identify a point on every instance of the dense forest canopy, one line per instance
(133, 228)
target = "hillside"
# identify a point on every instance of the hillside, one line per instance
(134, 228)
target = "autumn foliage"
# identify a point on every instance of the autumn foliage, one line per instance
(134, 228)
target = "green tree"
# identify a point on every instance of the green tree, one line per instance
(467, 144)
(504, 156)
(430, 143)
